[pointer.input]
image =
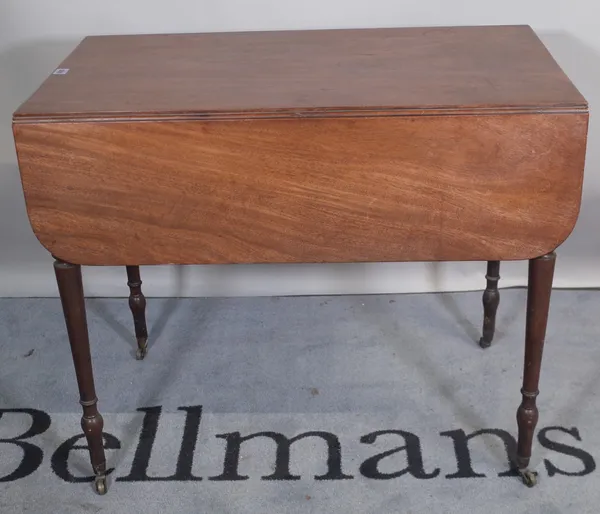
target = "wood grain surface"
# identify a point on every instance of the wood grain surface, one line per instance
(407, 188)
(305, 73)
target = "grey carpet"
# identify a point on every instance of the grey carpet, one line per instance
(345, 365)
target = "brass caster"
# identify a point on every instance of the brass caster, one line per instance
(100, 485)
(142, 350)
(529, 477)
(484, 344)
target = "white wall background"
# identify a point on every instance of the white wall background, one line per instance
(35, 35)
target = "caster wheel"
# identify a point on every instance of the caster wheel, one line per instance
(141, 353)
(484, 344)
(100, 485)
(529, 477)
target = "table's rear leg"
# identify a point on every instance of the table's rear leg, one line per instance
(137, 304)
(70, 287)
(491, 299)
(541, 272)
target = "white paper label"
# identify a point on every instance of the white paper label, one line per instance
(61, 71)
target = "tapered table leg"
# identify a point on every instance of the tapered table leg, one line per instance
(491, 299)
(541, 272)
(137, 304)
(70, 287)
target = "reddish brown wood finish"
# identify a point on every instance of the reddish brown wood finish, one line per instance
(419, 144)
(298, 73)
(541, 272)
(68, 277)
(418, 188)
(416, 144)
(491, 299)
(137, 304)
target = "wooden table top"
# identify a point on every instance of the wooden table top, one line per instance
(305, 73)
(304, 146)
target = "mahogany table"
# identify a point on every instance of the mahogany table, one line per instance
(368, 145)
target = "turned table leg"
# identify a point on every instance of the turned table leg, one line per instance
(491, 299)
(541, 272)
(70, 287)
(137, 304)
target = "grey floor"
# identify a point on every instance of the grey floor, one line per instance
(349, 366)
